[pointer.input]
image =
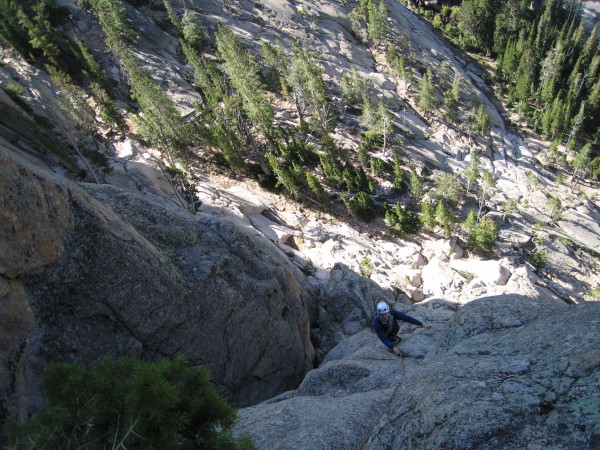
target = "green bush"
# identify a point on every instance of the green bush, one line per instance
(361, 206)
(538, 259)
(366, 267)
(286, 177)
(483, 236)
(593, 293)
(316, 187)
(380, 167)
(356, 179)
(299, 152)
(402, 220)
(130, 404)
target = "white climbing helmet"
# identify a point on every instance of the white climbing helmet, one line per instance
(383, 308)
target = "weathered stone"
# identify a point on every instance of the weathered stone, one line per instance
(137, 278)
(439, 278)
(490, 272)
(501, 371)
(350, 301)
(34, 220)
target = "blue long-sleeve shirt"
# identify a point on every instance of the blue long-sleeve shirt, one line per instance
(381, 329)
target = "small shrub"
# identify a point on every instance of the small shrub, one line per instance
(402, 220)
(538, 259)
(380, 167)
(469, 276)
(593, 294)
(315, 186)
(366, 267)
(14, 88)
(361, 206)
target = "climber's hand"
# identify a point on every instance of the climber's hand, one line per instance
(397, 351)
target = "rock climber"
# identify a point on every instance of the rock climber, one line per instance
(386, 325)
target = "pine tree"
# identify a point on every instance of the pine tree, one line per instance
(361, 206)
(448, 187)
(451, 107)
(470, 223)
(427, 216)
(384, 124)
(508, 208)
(456, 87)
(397, 61)
(553, 155)
(284, 177)
(160, 122)
(580, 163)
(369, 117)
(13, 31)
(243, 73)
(73, 99)
(486, 190)
(274, 62)
(557, 122)
(444, 218)
(555, 208)
(193, 32)
(377, 21)
(593, 104)
(472, 172)
(476, 21)
(398, 181)
(426, 99)
(402, 220)
(130, 404)
(577, 123)
(354, 87)
(483, 123)
(417, 189)
(316, 187)
(175, 20)
(551, 72)
(41, 32)
(207, 79)
(525, 76)
(510, 60)
(508, 23)
(118, 28)
(309, 90)
(483, 236)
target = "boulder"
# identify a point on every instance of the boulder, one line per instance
(490, 272)
(349, 300)
(443, 249)
(273, 231)
(439, 278)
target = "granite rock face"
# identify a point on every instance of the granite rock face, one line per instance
(99, 271)
(501, 372)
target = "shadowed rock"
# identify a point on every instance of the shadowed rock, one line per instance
(503, 372)
(123, 276)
